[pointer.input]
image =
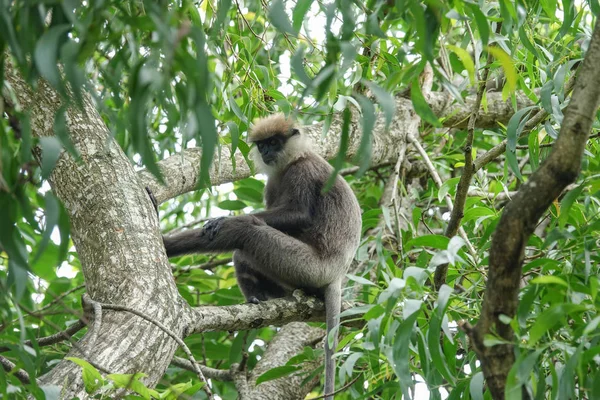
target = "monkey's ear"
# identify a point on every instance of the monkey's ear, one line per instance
(295, 131)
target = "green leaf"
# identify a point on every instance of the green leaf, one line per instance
(508, 66)
(51, 148)
(534, 151)
(363, 156)
(237, 110)
(61, 131)
(46, 54)
(234, 133)
(549, 279)
(360, 280)
(297, 64)
(467, 61)
(338, 162)
(446, 186)
(435, 241)
(222, 10)
(476, 386)
(92, 379)
(385, 100)
(132, 381)
(400, 353)
(248, 194)
(279, 18)
(52, 214)
(567, 203)
(232, 205)
(421, 106)
(302, 7)
(513, 163)
(277, 372)
(438, 357)
(546, 321)
(515, 127)
(482, 23)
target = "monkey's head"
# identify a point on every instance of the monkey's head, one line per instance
(278, 143)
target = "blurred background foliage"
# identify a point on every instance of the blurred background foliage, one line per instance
(167, 75)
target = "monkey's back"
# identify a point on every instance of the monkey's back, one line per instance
(335, 216)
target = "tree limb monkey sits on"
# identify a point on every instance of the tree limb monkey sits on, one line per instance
(305, 239)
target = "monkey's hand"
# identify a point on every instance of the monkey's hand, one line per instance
(212, 227)
(231, 224)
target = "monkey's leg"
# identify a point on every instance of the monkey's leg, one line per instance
(288, 260)
(254, 285)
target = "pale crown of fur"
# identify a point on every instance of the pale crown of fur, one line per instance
(297, 146)
(275, 124)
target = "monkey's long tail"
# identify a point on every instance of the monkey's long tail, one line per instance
(333, 304)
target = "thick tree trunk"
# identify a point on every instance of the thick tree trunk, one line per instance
(115, 232)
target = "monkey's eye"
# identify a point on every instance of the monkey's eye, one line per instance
(272, 142)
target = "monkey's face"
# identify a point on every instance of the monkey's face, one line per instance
(270, 148)
(273, 147)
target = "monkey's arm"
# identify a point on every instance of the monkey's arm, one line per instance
(231, 234)
(285, 220)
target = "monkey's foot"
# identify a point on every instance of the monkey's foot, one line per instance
(253, 300)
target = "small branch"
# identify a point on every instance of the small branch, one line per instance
(188, 225)
(491, 196)
(246, 22)
(205, 266)
(543, 145)
(180, 342)
(55, 338)
(223, 375)
(60, 297)
(438, 181)
(538, 117)
(340, 390)
(19, 373)
(298, 307)
(462, 188)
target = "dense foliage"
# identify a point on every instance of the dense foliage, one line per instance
(172, 75)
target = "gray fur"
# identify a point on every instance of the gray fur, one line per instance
(305, 239)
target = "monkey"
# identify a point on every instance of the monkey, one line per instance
(305, 239)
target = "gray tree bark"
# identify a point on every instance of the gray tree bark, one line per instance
(116, 234)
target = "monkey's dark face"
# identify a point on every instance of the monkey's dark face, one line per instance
(271, 147)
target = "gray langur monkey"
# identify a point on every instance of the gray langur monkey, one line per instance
(305, 239)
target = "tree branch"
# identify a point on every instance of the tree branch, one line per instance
(181, 171)
(223, 375)
(55, 338)
(19, 373)
(457, 213)
(521, 216)
(279, 312)
(288, 342)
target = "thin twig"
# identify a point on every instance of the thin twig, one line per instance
(19, 373)
(38, 313)
(54, 338)
(460, 199)
(340, 390)
(205, 266)
(223, 375)
(543, 145)
(246, 22)
(438, 181)
(188, 225)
